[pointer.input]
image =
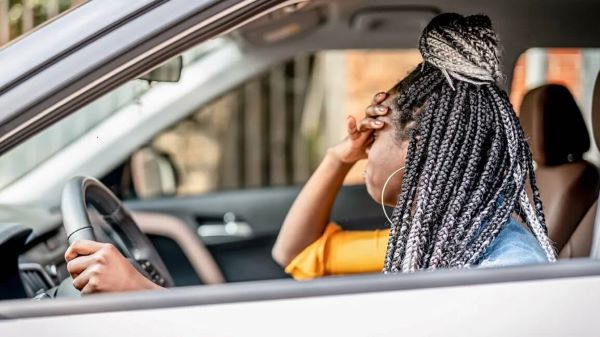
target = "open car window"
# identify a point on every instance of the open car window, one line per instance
(272, 129)
(32, 153)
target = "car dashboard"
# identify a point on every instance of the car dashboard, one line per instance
(32, 246)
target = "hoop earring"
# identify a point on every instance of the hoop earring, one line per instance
(383, 192)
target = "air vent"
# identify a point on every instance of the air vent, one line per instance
(35, 280)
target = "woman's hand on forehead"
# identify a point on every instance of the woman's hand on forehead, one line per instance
(360, 133)
(375, 113)
(377, 109)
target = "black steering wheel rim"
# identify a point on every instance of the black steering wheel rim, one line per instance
(80, 192)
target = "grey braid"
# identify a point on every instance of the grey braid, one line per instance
(477, 62)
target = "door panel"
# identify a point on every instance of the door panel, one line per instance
(248, 260)
(188, 260)
(245, 254)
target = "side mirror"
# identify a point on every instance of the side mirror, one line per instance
(168, 72)
(152, 174)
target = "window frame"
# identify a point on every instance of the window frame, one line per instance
(289, 289)
(113, 58)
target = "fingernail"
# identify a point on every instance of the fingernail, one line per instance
(378, 122)
(381, 95)
(381, 108)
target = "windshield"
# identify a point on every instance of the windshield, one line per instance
(28, 155)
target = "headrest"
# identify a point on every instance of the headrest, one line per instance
(554, 124)
(596, 111)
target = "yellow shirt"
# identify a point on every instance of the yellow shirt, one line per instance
(339, 252)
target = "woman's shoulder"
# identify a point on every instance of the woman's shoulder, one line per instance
(514, 245)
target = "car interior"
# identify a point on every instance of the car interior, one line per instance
(226, 234)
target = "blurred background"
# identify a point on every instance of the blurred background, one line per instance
(20, 16)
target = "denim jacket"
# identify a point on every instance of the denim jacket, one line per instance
(514, 245)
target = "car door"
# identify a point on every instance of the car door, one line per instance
(239, 227)
(546, 300)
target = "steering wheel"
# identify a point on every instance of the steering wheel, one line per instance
(80, 192)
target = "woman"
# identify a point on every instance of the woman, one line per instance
(444, 147)
(446, 150)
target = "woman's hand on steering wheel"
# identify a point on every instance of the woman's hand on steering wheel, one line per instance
(100, 267)
(354, 147)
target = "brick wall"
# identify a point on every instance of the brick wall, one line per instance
(518, 83)
(563, 67)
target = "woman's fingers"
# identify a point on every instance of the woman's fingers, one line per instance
(82, 279)
(352, 130)
(369, 123)
(377, 110)
(82, 247)
(379, 97)
(80, 263)
(356, 130)
(89, 288)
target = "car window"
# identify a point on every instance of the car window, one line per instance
(42, 146)
(575, 68)
(271, 130)
(30, 154)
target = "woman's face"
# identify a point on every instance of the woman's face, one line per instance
(386, 154)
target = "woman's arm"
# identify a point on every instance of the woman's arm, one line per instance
(309, 215)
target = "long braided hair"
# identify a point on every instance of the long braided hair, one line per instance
(468, 161)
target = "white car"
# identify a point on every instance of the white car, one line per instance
(204, 117)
